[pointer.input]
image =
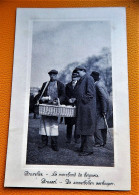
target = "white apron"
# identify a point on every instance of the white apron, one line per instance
(48, 126)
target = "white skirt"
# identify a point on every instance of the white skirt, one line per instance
(48, 126)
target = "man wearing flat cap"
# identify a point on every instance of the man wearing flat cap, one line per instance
(86, 110)
(70, 100)
(102, 102)
(51, 92)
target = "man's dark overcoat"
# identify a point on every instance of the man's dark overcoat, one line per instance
(86, 106)
(103, 104)
(60, 88)
(69, 94)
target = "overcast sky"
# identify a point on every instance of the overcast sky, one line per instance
(56, 44)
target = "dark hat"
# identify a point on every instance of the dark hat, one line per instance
(53, 72)
(80, 68)
(95, 75)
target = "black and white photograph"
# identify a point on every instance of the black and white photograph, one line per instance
(71, 81)
(69, 116)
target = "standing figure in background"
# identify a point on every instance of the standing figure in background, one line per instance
(52, 91)
(31, 103)
(86, 110)
(70, 100)
(102, 102)
(34, 102)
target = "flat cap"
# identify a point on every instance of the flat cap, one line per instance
(80, 68)
(53, 72)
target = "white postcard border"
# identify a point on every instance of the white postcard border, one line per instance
(119, 175)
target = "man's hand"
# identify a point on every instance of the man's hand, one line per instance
(72, 100)
(55, 102)
(46, 98)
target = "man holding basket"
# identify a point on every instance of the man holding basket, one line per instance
(50, 93)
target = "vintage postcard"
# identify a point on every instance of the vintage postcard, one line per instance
(69, 118)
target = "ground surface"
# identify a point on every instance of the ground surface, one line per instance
(68, 153)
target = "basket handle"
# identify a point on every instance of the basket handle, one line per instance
(58, 101)
(42, 93)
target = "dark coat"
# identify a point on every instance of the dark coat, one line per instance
(61, 91)
(69, 94)
(102, 102)
(31, 103)
(86, 106)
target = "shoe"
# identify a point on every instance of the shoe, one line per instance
(68, 141)
(99, 145)
(80, 150)
(42, 145)
(85, 153)
(55, 149)
(77, 141)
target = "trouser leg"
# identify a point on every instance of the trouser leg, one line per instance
(54, 142)
(61, 120)
(104, 135)
(44, 141)
(86, 143)
(82, 143)
(69, 132)
(76, 136)
(98, 137)
(34, 116)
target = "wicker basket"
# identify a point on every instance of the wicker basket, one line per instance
(53, 110)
